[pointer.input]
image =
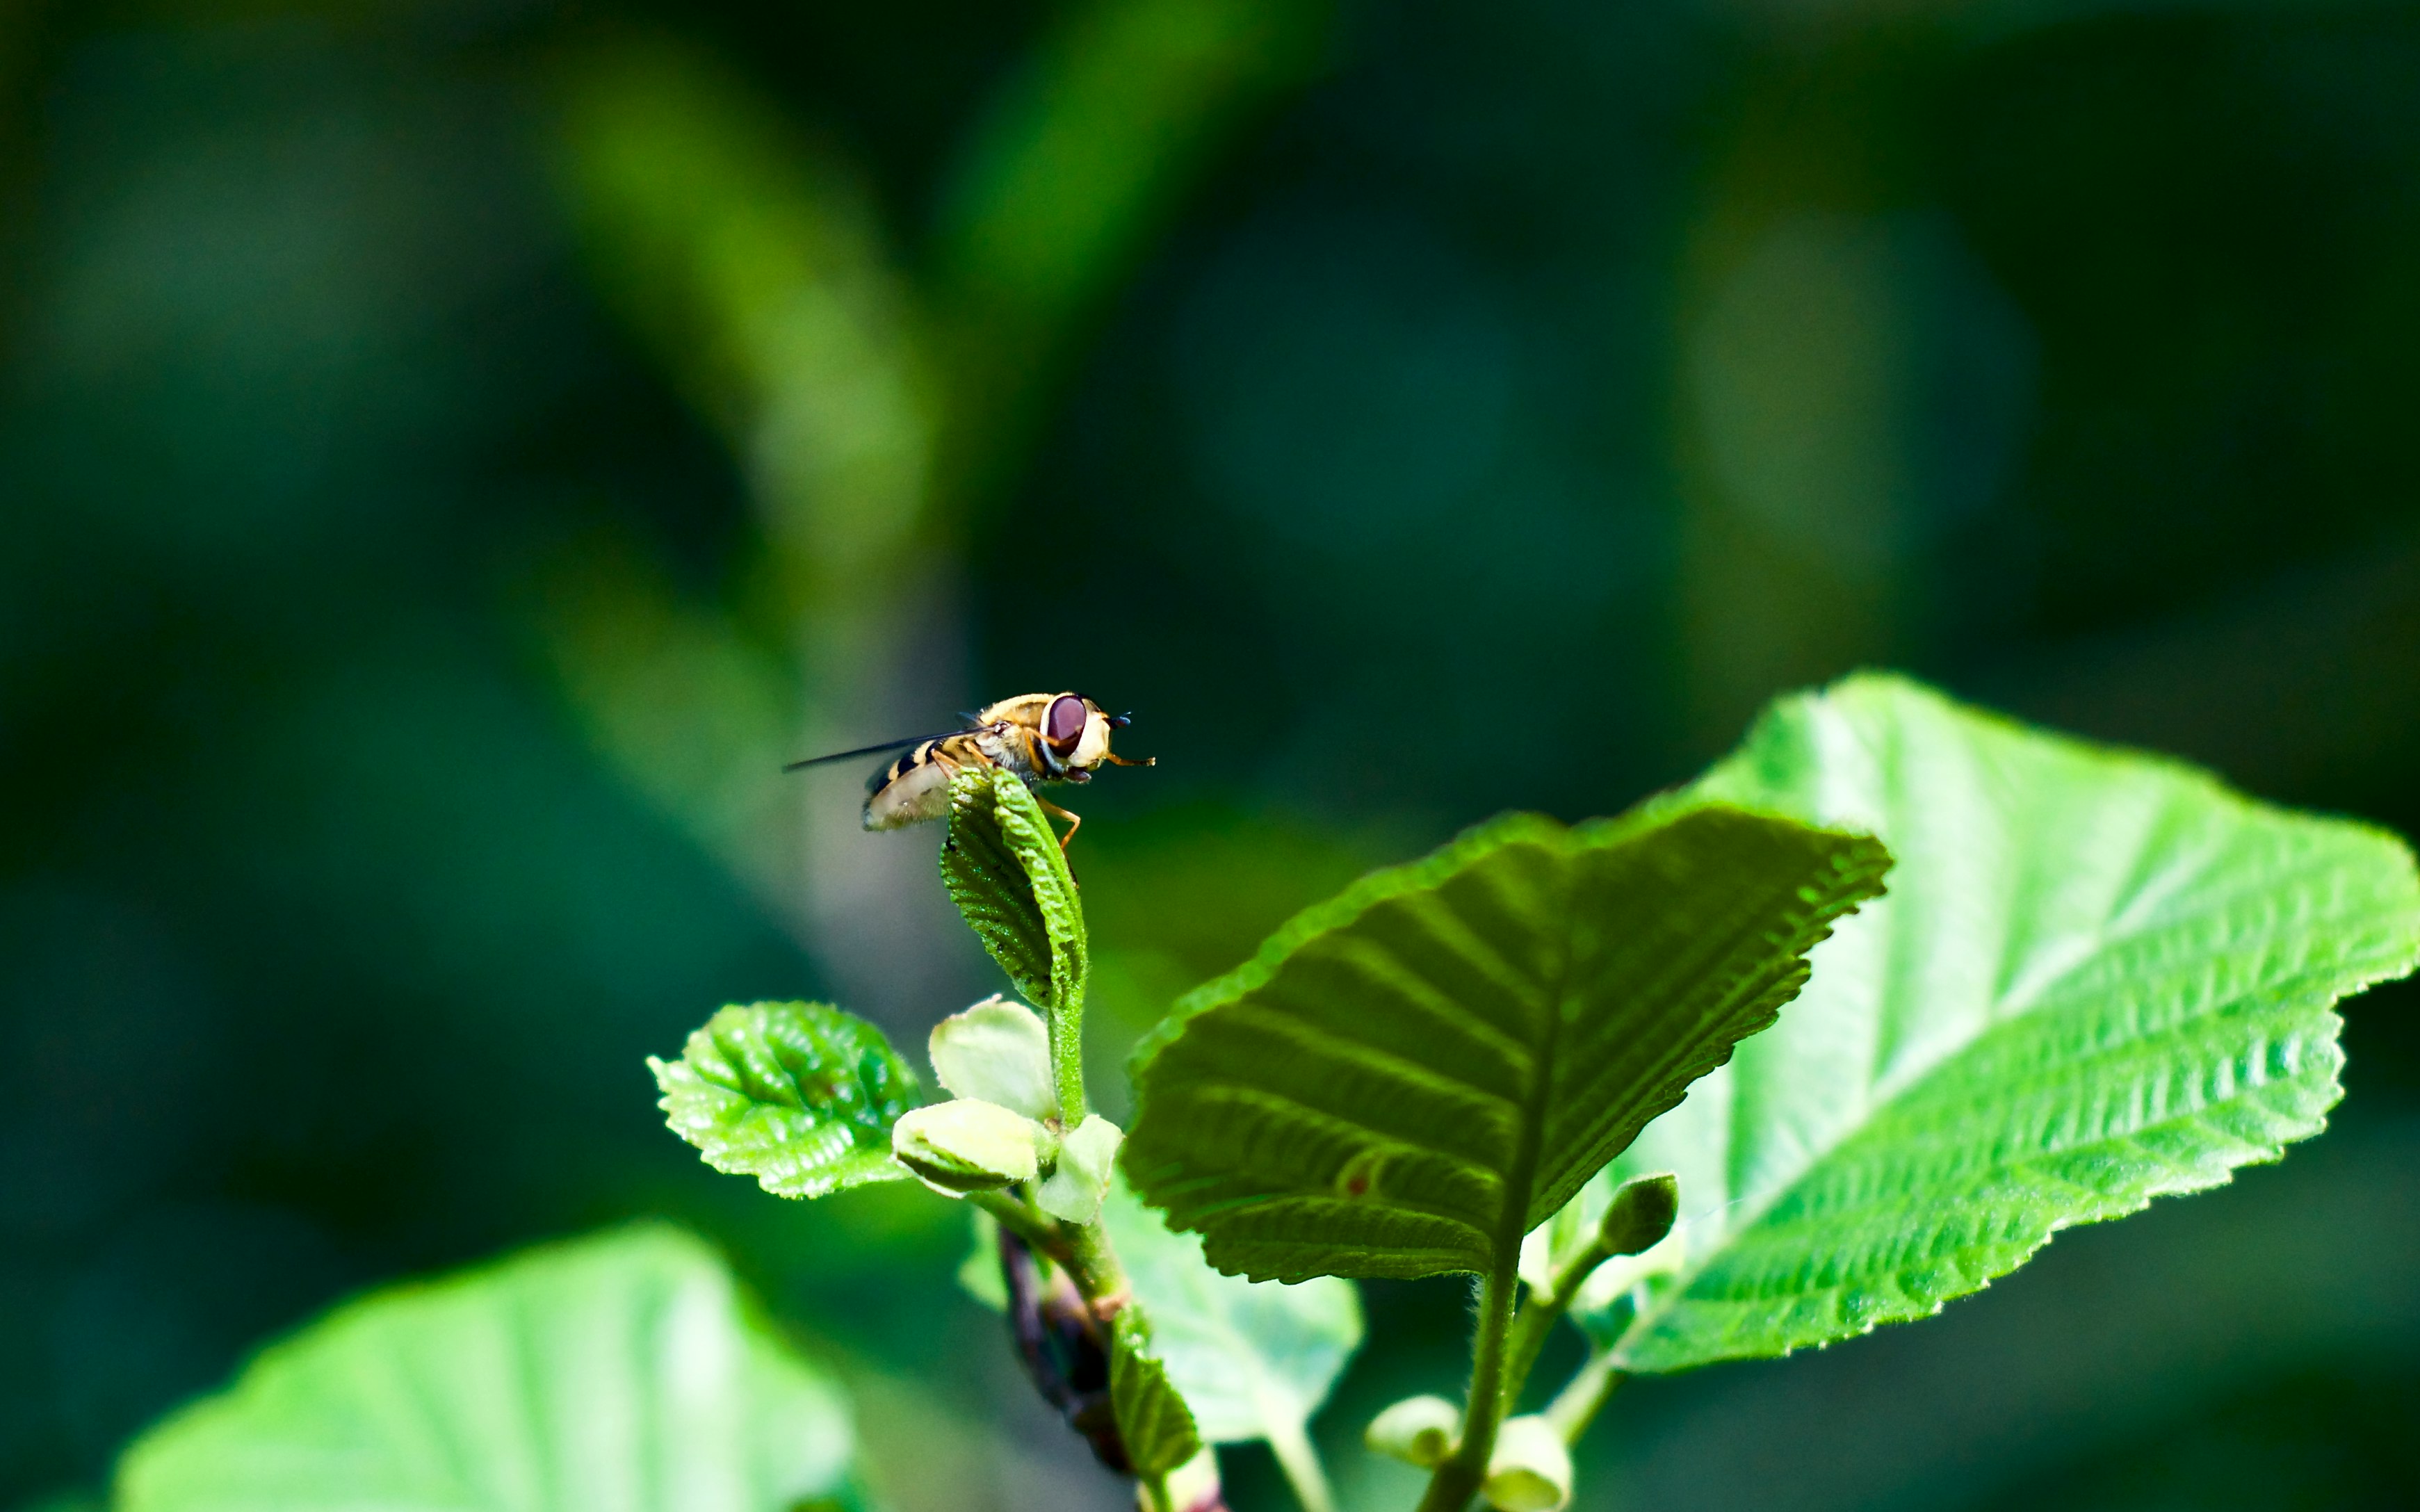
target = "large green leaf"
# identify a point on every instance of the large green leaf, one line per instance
(615, 1373)
(2098, 978)
(1409, 1076)
(800, 1096)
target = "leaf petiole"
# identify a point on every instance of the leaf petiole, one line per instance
(1298, 1457)
(1456, 1481)
(1541, 1309)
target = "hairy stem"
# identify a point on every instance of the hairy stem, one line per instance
(1575, 1406)
(1093, 1260)
(1296, 1457)
(1067, 1022)
(1458, 1479)
(1540, 1310)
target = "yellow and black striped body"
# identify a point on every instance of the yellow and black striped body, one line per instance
(1041, 737)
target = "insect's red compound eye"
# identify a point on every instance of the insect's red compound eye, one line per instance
(1064, 724)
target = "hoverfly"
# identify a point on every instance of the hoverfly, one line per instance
(1042, 737)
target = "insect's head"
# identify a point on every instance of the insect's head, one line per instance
(1078, 731)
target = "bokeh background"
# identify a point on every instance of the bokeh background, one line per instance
(453, 450)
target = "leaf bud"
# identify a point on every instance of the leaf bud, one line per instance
(1641, 1215)
(1074, 1190)
(1418, 1431)
(965, 1146)
(997, 1051)
(1531, 1470)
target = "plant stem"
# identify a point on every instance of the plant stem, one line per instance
(1093, 1260)
(1541, 1309)
(1037, 1229)
(1457, 1480)
(1067, 1060)
(1575, 1406)
(1300, 1461)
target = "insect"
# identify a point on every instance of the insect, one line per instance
(1042, 737)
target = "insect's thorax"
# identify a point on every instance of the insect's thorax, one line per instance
(996, 743)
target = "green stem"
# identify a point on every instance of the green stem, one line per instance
(1093, 1260)
(1542, 1310)
(1457, 1480)
(1037, 1228)
(1067, 1059)
(1299, 1460)
(1575, 1406)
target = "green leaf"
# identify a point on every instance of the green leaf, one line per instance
(1410, 1076)
(1153, 1420)
(1005, 873)
(1253, 1359)
(800, 1096)
(2099, 977)
(622, 1371)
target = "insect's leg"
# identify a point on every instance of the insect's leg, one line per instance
(1128, 761)
(1075, 821)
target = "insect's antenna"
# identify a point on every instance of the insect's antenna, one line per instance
(1119, 721)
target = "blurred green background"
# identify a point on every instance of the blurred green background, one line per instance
(453, 450)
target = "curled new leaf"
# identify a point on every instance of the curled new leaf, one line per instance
(1411, 1076)
(965, 1146)
(1531, 1470)
(1003, 869)
(1417, 1430)
(800, 1096)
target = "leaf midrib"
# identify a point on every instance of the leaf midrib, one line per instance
(1521, 1175)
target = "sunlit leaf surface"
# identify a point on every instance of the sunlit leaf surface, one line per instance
(2098, 978)
(1441, 1056)
(615, 1373)
(800, 1096)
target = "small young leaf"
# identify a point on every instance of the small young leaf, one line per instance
(800, 1096)
(1074, 1191)
(1004, 870)
(965, 1146)
(1417, 1430)
(1153, 1420)
(620, 1372)
(2099, 977)
(1531, 1470)
(997, 1051)
(1440, 1059)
